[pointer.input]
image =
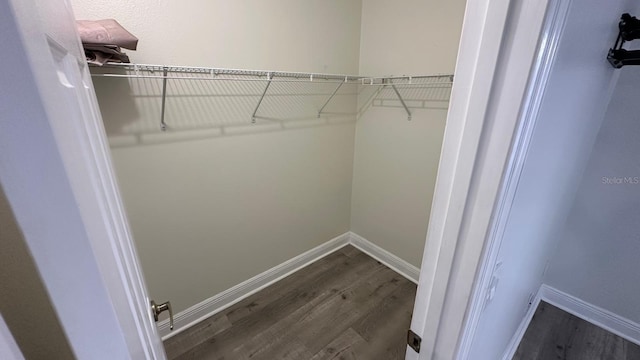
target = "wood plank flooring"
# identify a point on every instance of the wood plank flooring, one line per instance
(556, 334)
(344, 306)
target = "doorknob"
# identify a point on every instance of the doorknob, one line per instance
(158, 308)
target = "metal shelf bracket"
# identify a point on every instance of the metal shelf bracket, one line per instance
(346, 78)
(404, 105)
(253, 116)
(163, 125)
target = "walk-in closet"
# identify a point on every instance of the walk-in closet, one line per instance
(254, 180)
(259, 144)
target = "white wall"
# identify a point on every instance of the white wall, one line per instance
(396, 160)
(597, 256)
(212, 208)
(571, 113)
(410, 37)
(287, 35)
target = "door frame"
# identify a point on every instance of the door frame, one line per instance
(483, 150)
(553, 28)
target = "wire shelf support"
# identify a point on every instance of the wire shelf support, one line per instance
(408, 91)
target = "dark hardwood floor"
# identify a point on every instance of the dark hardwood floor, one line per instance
(555, 334)
(344, 306)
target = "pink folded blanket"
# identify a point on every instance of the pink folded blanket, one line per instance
(106, 32)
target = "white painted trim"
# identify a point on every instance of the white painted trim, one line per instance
(545, 57)
(398, 265)
(605, 319)
(491, 77)
(522, 328)
(219, 302)
(625, 328)
(213, 305)
(476, 68)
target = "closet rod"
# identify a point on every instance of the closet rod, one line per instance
(352, 81)
(438, 85)
(255, 75)
(408, 80)
(214, 72)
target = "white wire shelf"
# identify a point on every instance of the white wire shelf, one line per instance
(394, 91)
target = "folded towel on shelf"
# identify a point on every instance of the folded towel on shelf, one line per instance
(103, 39)
(106, 32)
(101, 54)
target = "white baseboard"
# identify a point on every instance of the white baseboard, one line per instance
(184, 319)
(519, 334)
(605, 319)
(400, 266)
(191, 316)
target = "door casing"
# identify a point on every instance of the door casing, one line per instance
(497, 54)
